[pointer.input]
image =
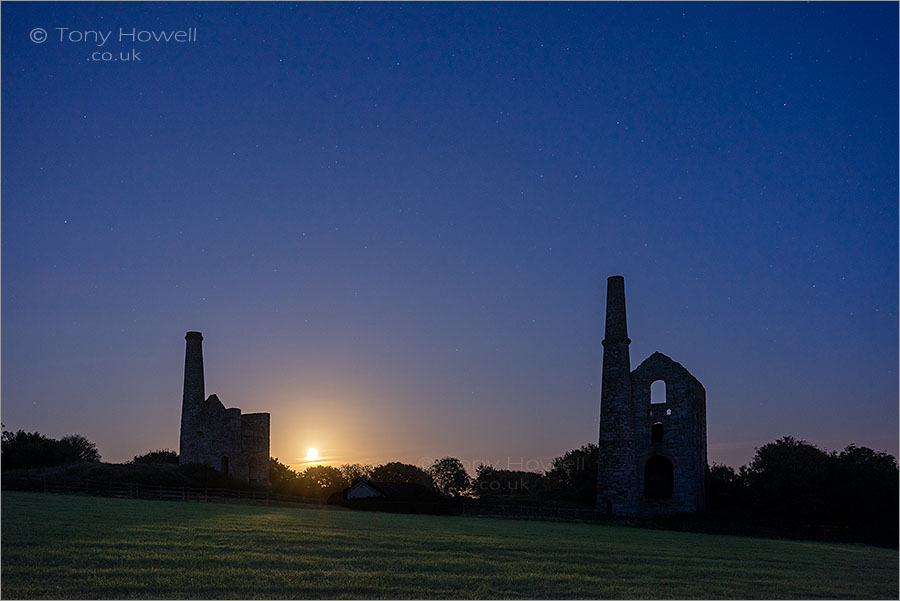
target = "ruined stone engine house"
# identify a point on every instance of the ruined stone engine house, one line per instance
(652, 451)
(232, 443)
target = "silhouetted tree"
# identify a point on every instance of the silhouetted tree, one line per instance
(402, 472)
(450, 477)
(27, 449)
(724, 487)
(491, 482)
(74, 448)
(33, 449)
(322, 480)
(865, 484)
(284, 480)
(354, 471)
(788, 478)
(574, 475)
(157, 456)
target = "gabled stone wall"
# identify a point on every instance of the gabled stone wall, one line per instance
(678, 438)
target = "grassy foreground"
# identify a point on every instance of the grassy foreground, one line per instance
(61, 546)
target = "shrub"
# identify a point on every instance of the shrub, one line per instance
(157, 456)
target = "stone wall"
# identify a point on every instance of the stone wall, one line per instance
(255, 441)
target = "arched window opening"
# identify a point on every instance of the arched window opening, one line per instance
(656, 432)
(225, 465)
(658, 478)
(668, 412)
(254, 467)
(658, 392)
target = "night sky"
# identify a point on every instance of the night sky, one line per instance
(393, 223)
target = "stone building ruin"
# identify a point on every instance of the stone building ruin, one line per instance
(225, 439)
(652, 450)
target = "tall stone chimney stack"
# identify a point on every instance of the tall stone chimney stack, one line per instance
(616, 323)
(194, 392)
(193, 369)
(617, 463)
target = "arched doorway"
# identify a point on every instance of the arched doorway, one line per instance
(658, 478)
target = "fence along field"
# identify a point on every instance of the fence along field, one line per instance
(68, 546)
(135, 490)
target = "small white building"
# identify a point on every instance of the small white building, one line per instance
(363, 489)
(402, 492)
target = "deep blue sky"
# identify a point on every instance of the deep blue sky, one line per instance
(393, 223)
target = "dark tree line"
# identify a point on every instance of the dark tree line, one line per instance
(157, 457)
(791, 484)
(790, 488)
(322, 481)
(572, 479)
(34, 450)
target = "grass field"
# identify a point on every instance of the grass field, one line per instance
(61, 546)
